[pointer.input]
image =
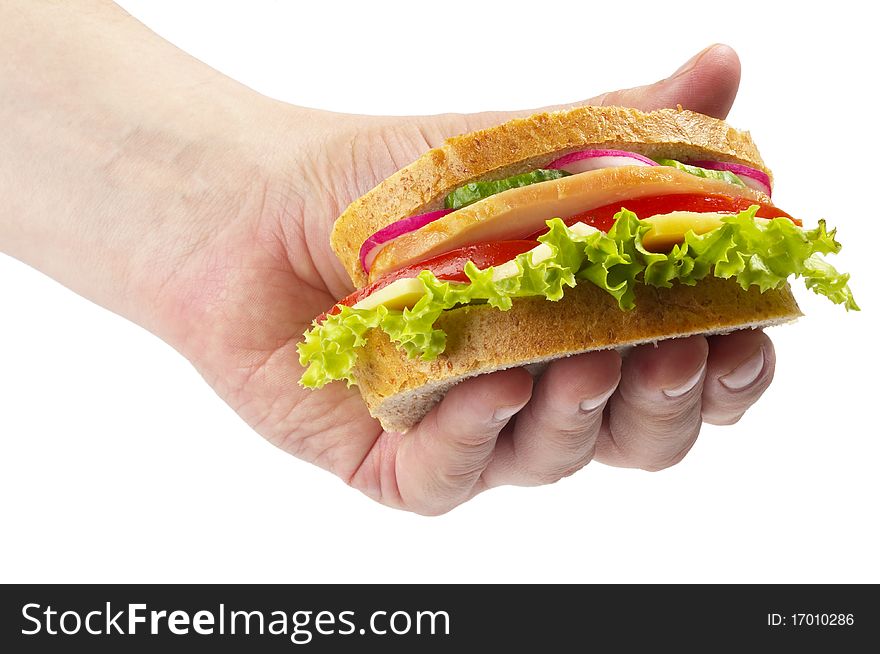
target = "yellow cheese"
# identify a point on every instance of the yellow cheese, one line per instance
(397, 295)
(406, 292)
(509, 268)
(582, 229)
(668, 229)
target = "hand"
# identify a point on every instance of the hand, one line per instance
(645, 411)
(208, 219)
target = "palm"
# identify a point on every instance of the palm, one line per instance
(279, 273)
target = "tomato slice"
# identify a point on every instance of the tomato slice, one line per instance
(448, 266)
(603, 217)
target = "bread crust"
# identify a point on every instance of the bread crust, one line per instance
(480, 339)
(527, 143)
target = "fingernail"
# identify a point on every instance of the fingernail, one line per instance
(689, 385)
(690, 63)
(506, 412)
(593, 403)
(745, 373)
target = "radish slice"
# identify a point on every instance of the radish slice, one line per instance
(586, 160)
(751, 177)
(384, 236)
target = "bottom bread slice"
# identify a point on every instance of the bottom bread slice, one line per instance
(480, 339)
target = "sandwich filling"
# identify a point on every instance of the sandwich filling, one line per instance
(493, 242)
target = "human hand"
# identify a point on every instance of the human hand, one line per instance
(503, 428)
(208, 222)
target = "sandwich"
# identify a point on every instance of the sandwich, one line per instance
(553, 235)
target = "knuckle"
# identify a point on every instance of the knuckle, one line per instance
(460, 470)
(660, 432)
(445, 486)
(554, 473)
(568, 441)
(434, 510)
(440, 494)
(569, 436)
(658, 445)
(722, 419)
(668, 461)
(469, 447)
(468, 438)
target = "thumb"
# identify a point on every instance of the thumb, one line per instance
(707, 83)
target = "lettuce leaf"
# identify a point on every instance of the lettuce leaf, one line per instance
(722, 175)
(754, 252)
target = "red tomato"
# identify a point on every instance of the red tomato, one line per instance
(448, 266)
(603, 217)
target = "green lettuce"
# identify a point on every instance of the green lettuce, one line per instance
(476, 191)
(705, 173)
(754, 252)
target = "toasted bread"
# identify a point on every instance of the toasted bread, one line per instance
(481, 339)
(400, 391)
(524, 144)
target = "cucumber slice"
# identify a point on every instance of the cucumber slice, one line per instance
(475, 191)
(723, 175)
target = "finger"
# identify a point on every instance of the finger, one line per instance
(740, 368)
(555, 434)
(707, 83)
(439, 463)
(654, 417)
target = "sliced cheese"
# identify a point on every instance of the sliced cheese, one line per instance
(538, 254)
(668, 229)
(403, 293)
(398, 294)
(582, 229)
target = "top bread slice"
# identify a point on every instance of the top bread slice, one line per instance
(525, 144)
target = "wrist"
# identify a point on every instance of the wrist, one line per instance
(121, 162)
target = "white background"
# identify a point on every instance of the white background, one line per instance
(117, 463)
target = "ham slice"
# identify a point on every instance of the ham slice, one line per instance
(515, 213)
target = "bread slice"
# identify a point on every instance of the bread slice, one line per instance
(525, 144)
(480, 339)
